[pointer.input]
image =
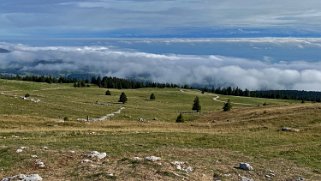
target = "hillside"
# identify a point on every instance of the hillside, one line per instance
(210, 143)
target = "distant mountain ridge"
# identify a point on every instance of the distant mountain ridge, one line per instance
(4, 50)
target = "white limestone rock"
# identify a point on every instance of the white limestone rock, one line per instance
(22, 177)
(152, 158)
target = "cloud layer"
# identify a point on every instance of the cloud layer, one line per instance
(182, 69)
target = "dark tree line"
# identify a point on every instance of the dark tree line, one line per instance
(103, 82)
(271, 94)
(118, 83)
(47, 79)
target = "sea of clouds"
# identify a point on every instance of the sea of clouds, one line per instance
(181, 69)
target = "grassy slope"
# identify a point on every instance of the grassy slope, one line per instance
(212, 142)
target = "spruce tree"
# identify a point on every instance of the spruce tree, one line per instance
(196, 105)
(180, 118)
(108, 93)
(227, 106)
(123, 98)
(152, 96)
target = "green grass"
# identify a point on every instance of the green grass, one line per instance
(247, 133)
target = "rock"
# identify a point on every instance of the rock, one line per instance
(40, 164)
(182, 166)
(86, 161)
(137, 159)
(290, 129)
(72, 152)
(297, 179)
(19, 150)
(246, 179)
(34, 156)
(152, 158)
(96, 154)
(245, 166)
(45, 147)
(141, 119)
(22, 177)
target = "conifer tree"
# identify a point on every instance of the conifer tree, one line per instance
(180, 118)
(196, 105)
(108, 93)
(227, 106)
(152, 96)
(123, 98)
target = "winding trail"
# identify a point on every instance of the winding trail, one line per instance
(103, 118)
(216, 98)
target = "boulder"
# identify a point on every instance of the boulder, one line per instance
(245, 166)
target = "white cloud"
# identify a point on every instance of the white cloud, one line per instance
(182, 69)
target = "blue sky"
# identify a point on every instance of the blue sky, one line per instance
(159, 18)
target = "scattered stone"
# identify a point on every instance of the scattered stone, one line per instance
(137, 159)
(34, 156)
(86, 161)
(72, 152)
(40, 164)
(245, 166)
(19, 150)
(227, 175)
(290, 129)
(297, 179)
(96, 154)
(152, 158)
(110, 174)
(22, 177)
(141, 119)
(45, 147)
(182, 166)
(246, 179)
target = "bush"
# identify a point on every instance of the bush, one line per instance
(66, 118)
(27, 95)
(180, 118)
(108, 93)
(122, 98)
(227, 106)
(152, 96)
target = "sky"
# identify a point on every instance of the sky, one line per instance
(254, 44)
(159, 18)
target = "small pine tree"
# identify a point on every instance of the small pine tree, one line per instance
(180, 118)
(196, 105)
(108, 93)
(152, 96)
(227, 106)
(123, 98)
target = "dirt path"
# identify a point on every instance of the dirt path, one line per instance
(103, 118)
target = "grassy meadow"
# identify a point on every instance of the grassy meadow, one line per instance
(212, 142)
